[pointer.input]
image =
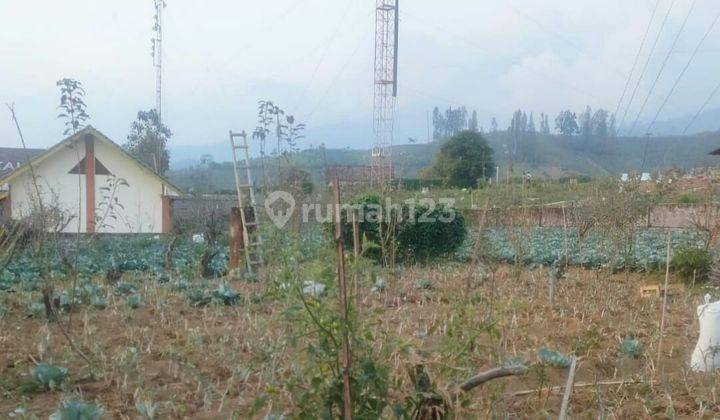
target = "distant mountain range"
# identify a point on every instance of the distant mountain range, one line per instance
(707, 121)
(353, 137)
(553, 157)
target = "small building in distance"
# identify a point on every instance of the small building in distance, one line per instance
(86, 183)
(12, 158)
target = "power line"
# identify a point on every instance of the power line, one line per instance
(270, 25)
(682, 73)
(336, 77)
(637, 57)
(327, 45)
(560, 36)
(662, 67)
(645, 66)
(511, 60)
(702, 108)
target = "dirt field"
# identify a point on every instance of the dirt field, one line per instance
(237, 361)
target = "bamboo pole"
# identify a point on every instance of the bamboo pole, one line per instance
(342, 286)
(568, 390)
(664, 304)
(356, 235)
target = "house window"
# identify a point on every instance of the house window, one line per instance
(79, 169)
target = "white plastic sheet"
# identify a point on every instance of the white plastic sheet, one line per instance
(706, 356)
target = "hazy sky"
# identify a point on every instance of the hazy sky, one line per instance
(315, 58)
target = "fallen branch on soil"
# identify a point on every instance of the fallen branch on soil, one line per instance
(581, 385)
(433, 406)
(491, 374)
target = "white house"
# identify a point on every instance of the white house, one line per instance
(94, 183)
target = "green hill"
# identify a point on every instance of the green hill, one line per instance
(550, 156)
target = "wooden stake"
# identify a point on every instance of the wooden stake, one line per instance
(665, 293)
(342, 285)
(568, 390)
(236, 239)
(356, 235)
(565, 227)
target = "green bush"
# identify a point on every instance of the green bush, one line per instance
(420, 234)
(134, 301)
(691, 261)
(441, 234)
(688, 198)
(631, 347)
(77, 411)
(226, 294)
(553, 358)
(465, 158)
(417, 184)
(49, 376)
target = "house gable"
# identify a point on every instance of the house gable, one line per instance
(78, 138)
(79, 169)
(96, 184)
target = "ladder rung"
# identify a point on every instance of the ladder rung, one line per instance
(251, 227)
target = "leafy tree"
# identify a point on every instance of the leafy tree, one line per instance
(544, 124)
(452, 121)
(148, 139)
(72, 104)
(612, 129)
(586, 123)
(455, 121)
(566, 123)
(473, 123)
(273, 119)
(531, 124)
(293, 133)
(518, 126)
(600, 126)
(465, 159)
(287, 130)
(530, 141)
(438, 124)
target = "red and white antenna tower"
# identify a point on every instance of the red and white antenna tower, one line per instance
(386, 60)
(157, 55)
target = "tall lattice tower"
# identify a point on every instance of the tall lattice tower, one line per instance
(386, 59)
(157, 55)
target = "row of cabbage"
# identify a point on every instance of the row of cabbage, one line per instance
(545, 246)
(127, 254)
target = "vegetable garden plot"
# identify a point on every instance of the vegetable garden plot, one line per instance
(135, 254)
(544, 246)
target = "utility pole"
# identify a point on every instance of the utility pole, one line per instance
(387, 21)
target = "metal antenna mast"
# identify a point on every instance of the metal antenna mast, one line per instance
(157, 56)
(387, 21)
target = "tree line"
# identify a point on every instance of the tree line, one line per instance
(452, 121)
(588, 123)
(594, 128)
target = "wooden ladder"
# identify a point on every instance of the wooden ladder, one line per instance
(250, 219)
